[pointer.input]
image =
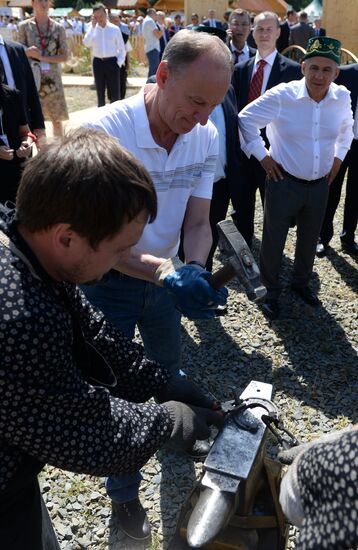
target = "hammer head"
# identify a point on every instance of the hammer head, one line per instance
(238, 254)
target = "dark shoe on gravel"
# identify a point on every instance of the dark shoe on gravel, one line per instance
(321, 250)
(350, 247)
(271, 309)
(131, 518)
(306, 294)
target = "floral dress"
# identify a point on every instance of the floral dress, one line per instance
(51, 91)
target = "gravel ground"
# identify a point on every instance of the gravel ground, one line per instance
(309, 355)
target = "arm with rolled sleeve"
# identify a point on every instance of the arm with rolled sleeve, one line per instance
(254, 117)
(121, 49)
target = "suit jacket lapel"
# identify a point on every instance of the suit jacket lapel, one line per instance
(246, 81)
(11, 53)
(274, 77)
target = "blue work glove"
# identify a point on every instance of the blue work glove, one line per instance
(188, 285)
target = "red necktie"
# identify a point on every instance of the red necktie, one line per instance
(236, 55)
(256, 82)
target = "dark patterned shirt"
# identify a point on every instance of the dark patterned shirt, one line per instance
(49, 412)
(327, 476)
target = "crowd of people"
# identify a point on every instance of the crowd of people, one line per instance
(91, 251)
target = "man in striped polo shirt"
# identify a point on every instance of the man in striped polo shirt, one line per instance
(166, 127)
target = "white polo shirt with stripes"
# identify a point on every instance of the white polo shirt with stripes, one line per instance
(187, 171)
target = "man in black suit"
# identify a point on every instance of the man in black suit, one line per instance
(238, 31)
(211, 21)
(318, 30)
(164, 39)
(348, 76)
(225, 188)
(19, 75)
(291, 19)
(276, 69)
(302, 32)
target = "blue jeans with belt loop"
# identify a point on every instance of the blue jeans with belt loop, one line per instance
(129, 302)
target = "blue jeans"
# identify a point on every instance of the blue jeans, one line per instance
(128, 302)
(153, 57)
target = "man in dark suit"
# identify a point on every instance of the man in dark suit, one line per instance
(225, 188)
(239, 29)
(176, 27)
(302, 32)
(291, 19)
(211, 21)
(19, 75)
(348, 76)
(318, 30)
(274, 69)
(164, 39)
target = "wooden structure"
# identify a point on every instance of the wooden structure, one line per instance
(221, 6)
(340, 19)
(170, 6)
(256, 6)
(127, 4)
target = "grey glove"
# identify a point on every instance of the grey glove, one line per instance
(288, 456)
(190, 423)
(179, 388)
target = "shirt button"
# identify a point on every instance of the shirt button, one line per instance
(316, 156)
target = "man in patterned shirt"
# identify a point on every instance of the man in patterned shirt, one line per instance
(72, 386)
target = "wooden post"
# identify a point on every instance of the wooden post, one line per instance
(340, 19)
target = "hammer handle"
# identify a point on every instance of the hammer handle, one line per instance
(222, 276)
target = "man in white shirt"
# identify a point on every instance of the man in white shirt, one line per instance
(109, 53)
(251, 79)
(152, 35)
(166, 127)
(302, 161)
(238, 31)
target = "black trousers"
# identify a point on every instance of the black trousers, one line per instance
(24, 520)
(123, 81)
(106, 75)
(252, 177)
(350, 218)
(218, 210)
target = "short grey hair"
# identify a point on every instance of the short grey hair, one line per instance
(267, 15)
(187, 46)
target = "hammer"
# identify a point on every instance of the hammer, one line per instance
(239, 262)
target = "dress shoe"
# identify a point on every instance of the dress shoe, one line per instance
(271, 309)
(350, 248)
(131, 518)
(200, 449)
(321, 250)
(306, 295)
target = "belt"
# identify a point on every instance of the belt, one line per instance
(300, 180)
(104, 58)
